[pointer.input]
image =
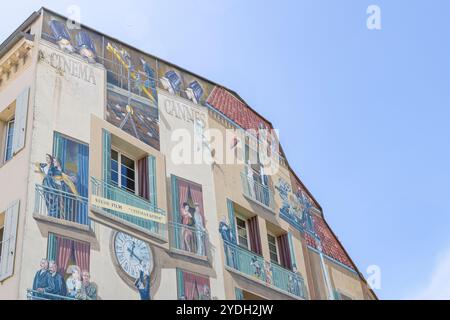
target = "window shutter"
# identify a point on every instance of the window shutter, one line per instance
(51, 247)
(106, 155)
(232, 219)
(291, 250)
(180, 283)
(9, 241)
(20, 122)
(151, 162)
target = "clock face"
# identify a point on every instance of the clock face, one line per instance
(133, 255)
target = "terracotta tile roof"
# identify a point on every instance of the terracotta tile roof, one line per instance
(235, 109)
(330, 245)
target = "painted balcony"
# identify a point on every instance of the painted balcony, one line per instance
(112, 192)
(257, 192)
(254, 266)
(35, 295)
(61, 207)
(188, 240)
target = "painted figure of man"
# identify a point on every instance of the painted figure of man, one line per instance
(143, 283)
(228, 240)
(88, 288)
(199, 230)
(41, 279)
(56, 284)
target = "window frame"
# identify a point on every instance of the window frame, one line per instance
(246, 231)
(8, 123)
(120, 153)
(277, 250)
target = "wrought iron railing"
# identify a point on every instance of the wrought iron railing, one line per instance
(253, 265)
(114, 193)
(257, 191)
(189, 239)
(61, 205)
(36, 295)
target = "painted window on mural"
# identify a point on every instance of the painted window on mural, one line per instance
(189, 220)
(192, 286)
(123, 171)
(9, 140)
(64, 274)
(63, 191)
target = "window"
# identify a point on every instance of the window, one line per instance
(272, 248)
(242, 232)
(9, 140)
(123, 171)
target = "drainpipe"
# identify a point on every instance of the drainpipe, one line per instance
(325, 271)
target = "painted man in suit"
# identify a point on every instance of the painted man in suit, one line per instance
(56, 284)
(143, 283)
(41, 279)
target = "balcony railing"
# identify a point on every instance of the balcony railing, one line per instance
(257, 191)
(61, 205)
(271, 274)
(189, 239)
(35, 295)
(114, 193)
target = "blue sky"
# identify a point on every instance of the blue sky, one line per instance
(363, 115)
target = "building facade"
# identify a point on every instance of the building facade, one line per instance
(124, 176)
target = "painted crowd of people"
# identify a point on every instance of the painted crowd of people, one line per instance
(49, 284)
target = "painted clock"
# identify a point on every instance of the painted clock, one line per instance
(132, 255)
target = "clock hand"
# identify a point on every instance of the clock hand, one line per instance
(134, 255)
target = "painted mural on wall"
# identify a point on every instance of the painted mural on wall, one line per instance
(190, 225)
(63, 191)
(64, 274)
(135, 262)
(295, 206)
(192, 286)
(133, 115)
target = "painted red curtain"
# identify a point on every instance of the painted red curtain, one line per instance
(285, 253)
(183, 194)
(82, 254)
(197, 197)
(63, 253)
(194, 285)
(254, 235)
(143, 186)
(65, 248)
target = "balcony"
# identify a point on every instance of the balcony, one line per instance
(253, 266)
(188, 240)
(35, 295)
(258, 192)
(61, 207)
(121, 198)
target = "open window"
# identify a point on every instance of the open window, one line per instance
(13, 121)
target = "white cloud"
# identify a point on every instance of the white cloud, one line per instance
(438, 287)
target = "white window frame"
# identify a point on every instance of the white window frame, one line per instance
(246, 231)
(119, 172)
(7, 127)
(276, 248)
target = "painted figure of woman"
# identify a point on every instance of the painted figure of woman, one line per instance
(187, 221)
(67, 186)
(51, 188)
(73, 283)
(199, 231)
